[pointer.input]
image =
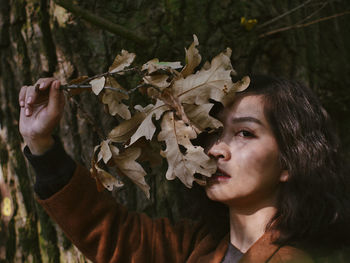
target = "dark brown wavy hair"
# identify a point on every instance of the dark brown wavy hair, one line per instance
(313, 206)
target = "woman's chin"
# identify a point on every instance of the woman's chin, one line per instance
(215, 192)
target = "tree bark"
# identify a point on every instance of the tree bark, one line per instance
(39, 38)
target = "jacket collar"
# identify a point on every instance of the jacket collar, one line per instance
(261, 251)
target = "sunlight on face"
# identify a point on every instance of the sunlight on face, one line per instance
(247, 156)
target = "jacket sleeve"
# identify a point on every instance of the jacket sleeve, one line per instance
(106, 232)
(53, 169)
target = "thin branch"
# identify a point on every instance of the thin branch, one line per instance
(103, 23)
(302, 25)
(88, 86)
(284, 14)
(313, 13)
(106, 74)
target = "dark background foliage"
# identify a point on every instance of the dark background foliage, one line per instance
(303, 40)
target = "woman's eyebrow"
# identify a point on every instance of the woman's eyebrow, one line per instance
(246, 119)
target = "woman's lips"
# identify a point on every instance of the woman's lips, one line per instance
(219, 176)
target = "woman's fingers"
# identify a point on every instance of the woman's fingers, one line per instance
(22, 96)
(44, 83)
(36, 94)
(30, 98)
(56, 100)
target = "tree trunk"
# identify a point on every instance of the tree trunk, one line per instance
(40, 38)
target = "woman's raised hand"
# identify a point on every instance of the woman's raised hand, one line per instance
(41, 110)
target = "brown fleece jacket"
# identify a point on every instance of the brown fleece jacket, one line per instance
(106, 232)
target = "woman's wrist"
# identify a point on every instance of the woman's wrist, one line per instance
(39, 146)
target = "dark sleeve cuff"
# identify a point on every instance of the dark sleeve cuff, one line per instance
(53, 169)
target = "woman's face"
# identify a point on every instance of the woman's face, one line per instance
(247, 155)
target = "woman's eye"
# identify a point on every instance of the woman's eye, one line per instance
(245, 133)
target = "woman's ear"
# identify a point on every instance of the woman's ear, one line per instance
(284, 176)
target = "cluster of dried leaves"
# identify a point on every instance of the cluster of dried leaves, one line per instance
(182, 101)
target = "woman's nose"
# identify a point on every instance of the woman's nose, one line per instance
(220, 151)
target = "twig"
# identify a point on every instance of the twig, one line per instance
(85, 83)
(88, 86)
(284, 14)
(103, 23)
(313, 13)
(119, 72)
(302, 25)
(75, 86)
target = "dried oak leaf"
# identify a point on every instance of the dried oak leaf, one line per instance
(183, 164)
(114, 99)
(123, 132)
(156, 65)
(237, 87)
(173, 102)
(105, 152)
(200, 118)
(213, 83)
(126, 165)
(94, 171)
(122, 61)
(102, 177)
(159, 81)
(193, 58)
(107, 180)
(98, 84)
(147, 127)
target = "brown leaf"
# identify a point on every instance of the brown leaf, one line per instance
(213, 83)
(122, 61)
(155, 65)
(126, 165)
(123, 132)
(183, 165)
(114, 99)
(102, 177)
(98, 84)
(199, 116)
(107, 180)
(242, 84)
(105, 152)
(237, 87)
(193, 58)
(158, 80)
(173, 102)
(147, 127)
(94, 174)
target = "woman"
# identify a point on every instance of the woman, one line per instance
(311, 207)
(278, 173)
